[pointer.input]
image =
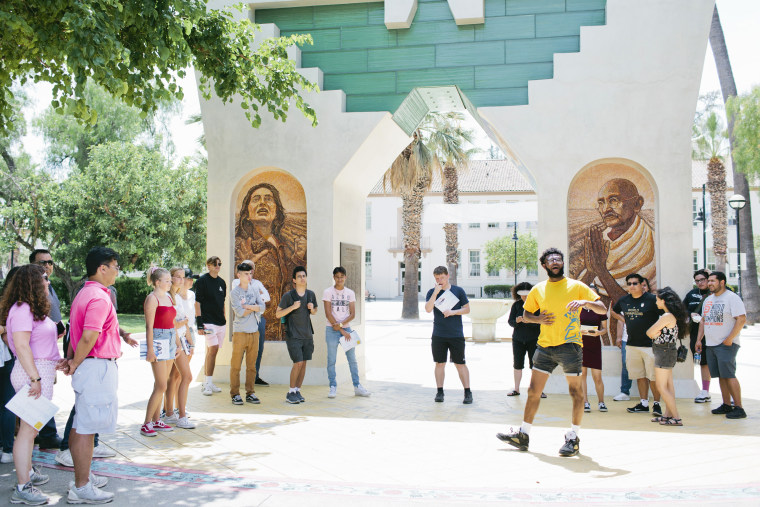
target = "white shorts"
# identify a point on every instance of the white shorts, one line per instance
(95, 385)
(216, 338)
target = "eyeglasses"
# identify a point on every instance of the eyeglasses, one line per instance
(632, 283)
(42, 263)
(612, 202)
(700, 280)
(554, 259)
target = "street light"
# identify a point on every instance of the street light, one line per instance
(737, 202)
(514, 238)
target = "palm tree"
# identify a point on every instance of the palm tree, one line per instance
(411, 175)
(751, 291)
(448, 140)
(709, 144)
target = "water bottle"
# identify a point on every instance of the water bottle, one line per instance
(697, 357)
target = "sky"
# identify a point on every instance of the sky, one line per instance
(740, 20)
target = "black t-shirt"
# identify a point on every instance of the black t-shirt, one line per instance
(524, 332)
(210, 292)
(640, 314)
(298, 322)
(449, 327)
(693, 302)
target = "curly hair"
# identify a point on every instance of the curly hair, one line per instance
(245, 226)
(675, 306)
(520, 286)
(26, 286)
(551, 251)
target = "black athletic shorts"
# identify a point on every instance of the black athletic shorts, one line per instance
(442, 346)
(300, 349)
(519, 350)
(693, 342)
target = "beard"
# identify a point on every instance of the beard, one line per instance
(559, 274)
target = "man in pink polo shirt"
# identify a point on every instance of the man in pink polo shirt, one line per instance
(96, 343)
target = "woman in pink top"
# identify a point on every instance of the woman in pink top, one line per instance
(159, 334)
(32, 337)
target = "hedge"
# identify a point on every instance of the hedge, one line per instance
(498, 291)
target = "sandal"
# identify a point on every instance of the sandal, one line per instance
(659, 419)
(671, 421)
(514, 393)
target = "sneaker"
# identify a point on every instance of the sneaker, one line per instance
(102, 451)
(360, 391)
(36, 478)
(146, 430)
(638, 408)
(543, 395)
(704, 397)
(467, 398)
(722, 409)
(656, 409)
(515, 439)
(6, 457)
(160, 426)
(172, 419)
(176, 413)
(571, 445)
(185, 423)
(736, 413)
(602, 407)
(261, 382)
(292, 398)
(99, 481)
(89, 494)
(439, 397)
(621, 397)
(28, 495)
(301, 399)
(586, 408)
(163, 414)
(251, 398)
(206, 390)
(215, 388)
(237, 400)
(64, 458)
(333, 392)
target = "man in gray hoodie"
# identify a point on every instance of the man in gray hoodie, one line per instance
(247, 307)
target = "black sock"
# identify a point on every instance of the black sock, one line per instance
(440, 390)
(467, 390)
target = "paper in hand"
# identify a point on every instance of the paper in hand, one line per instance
(353, 342)
(34, 411)
(160, 347)
(446, 301)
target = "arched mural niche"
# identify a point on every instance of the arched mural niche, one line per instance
(270, 230)
(611, 227)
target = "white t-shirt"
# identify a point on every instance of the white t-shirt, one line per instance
(185, 308)
(719, 316)
(339, 302)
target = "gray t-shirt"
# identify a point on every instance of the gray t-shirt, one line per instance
(239, 297)
(298, 321)
(719, 316)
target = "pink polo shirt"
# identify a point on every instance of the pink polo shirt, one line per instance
(92, 309)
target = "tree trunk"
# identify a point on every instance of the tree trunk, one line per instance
(411, 226)
(716, 185)
(451, 196)
(750, 289)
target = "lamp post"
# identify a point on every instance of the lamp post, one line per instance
(514, 238)
(737, 202)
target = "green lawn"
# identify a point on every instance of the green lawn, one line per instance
(132, 322)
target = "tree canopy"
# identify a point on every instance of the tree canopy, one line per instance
(137, 51)
(500, 252)
(745, 110)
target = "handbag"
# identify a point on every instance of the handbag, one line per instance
(682, 352)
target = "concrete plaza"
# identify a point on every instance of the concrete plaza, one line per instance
(400, 447)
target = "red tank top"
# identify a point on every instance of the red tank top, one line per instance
(164, 316)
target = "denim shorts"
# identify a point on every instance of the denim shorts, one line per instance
(664, 355)
(567, 355)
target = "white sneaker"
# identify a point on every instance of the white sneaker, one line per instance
(98, 481)
(172, 419)
(102, 451)
(621, 397)
(89, 494)
(215, 388)
(176, 413)
(64, 458)
(704, 397)
(333, 392)
(360, 391)
(207, 390)
(6, 457)
(185, 423)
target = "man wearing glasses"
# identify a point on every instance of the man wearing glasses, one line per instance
(693, 301)
(638, 311)
(210, 293)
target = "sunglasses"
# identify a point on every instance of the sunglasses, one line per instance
(633, 283)
(42, 263)
(217, 264)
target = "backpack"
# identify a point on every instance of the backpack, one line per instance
(284, 320)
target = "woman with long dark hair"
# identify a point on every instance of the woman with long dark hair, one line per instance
(7, 418)
(664, 333)
(32, 337)
(524, 336)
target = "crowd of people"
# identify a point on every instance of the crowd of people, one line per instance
(558, 322)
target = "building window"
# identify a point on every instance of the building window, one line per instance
(474, 225)
(474, 262)
(694, 211)
(494, 273)
(369, 216)
(532, 272)
(493, 225)
(710, 260)
(368, 263)
(695, 260)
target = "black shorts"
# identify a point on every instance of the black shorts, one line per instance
(567, 355)
(519, 350)
(300, 349)
(693, 342)
(441, 347)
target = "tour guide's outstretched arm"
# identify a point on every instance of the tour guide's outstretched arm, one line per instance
(547, 318)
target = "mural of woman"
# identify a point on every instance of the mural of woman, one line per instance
(275, 240)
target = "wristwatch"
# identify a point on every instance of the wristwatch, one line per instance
(35, 379)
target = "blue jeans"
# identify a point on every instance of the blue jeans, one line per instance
(262, 329)
(332, 338)
(625, 382)
(7, 418)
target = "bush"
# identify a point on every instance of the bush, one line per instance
(131, 294)
(497, 291)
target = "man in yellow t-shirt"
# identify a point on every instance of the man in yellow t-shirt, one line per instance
(559, 301)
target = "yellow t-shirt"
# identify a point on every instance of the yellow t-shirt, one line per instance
(553, 297)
